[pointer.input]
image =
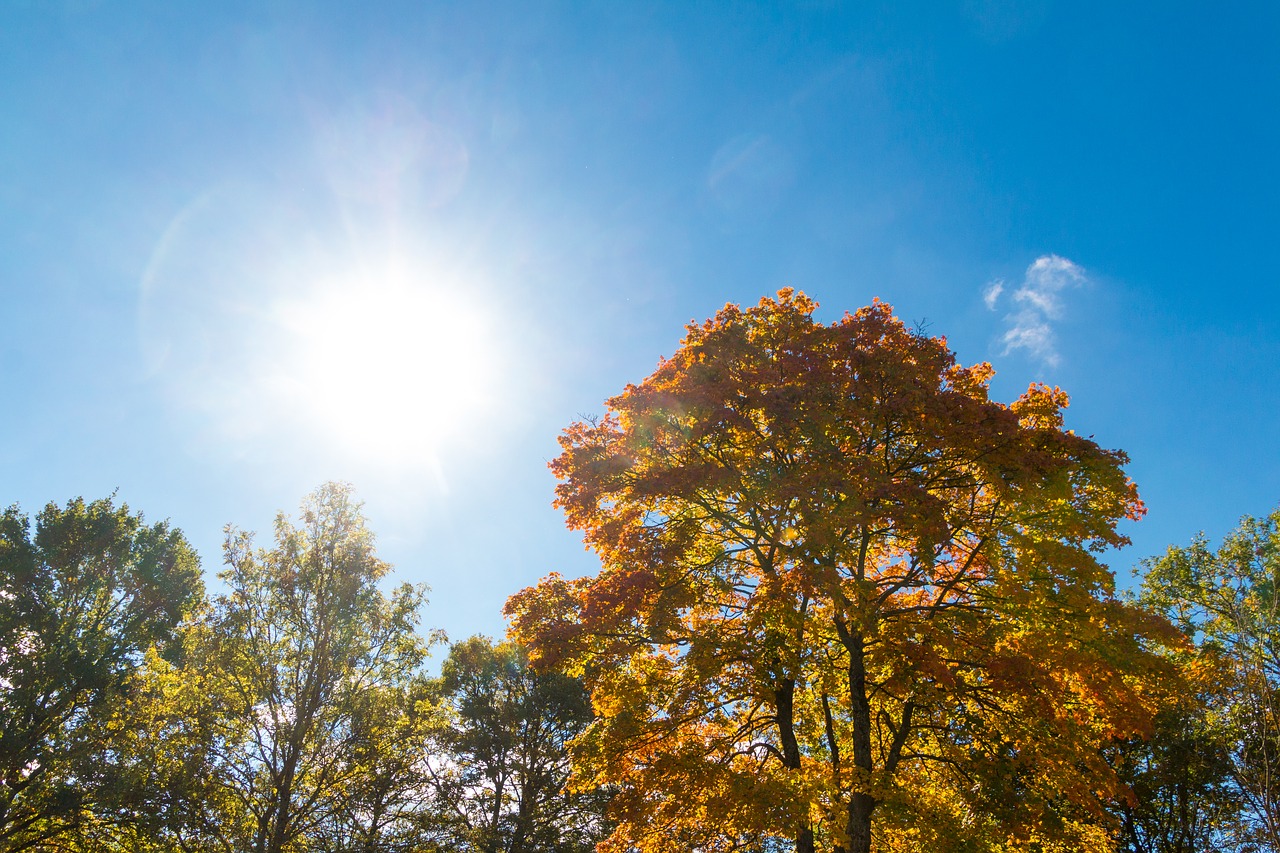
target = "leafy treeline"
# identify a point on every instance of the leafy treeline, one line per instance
(847, 603)
(290, 713)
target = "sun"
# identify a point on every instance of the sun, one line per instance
(391, 371)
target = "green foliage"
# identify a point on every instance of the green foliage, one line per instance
(290, 714)
(1226, 601)
(500, 767)
(1180, 779)
(385, 807)
(83, 601)
(308, 664)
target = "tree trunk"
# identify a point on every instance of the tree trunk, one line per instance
(784, 700)
(281, 816)
(861, 804)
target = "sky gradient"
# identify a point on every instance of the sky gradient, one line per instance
(246, 248)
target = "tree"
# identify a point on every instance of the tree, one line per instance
(82, 602)
(298, 655)
(845, 599)
(386, 807)
(499, 769)
(1182, 799)
(1227, 600)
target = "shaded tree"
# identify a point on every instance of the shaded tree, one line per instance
(499, 768)
(1226, 600)
(1181, 799)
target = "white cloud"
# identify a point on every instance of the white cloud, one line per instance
(1038, 301)
(992, 294)
(1029, 331)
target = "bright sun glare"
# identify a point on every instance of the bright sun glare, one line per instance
(391, 371)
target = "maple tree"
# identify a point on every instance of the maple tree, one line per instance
(846, 600)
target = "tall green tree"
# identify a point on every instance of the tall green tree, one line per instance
(499, 769)
(295, 652)
(85, 596)
(1228, 601)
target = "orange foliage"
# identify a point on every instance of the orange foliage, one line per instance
(844, 596)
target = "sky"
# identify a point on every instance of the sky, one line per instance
(248, 248)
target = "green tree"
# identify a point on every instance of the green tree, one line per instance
(1226, 600)
(84, 598)
(386, 807)
(297, 655)
(167, 796)
(499, 767)
(1181, 797)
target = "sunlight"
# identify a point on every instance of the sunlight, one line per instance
(391, 371)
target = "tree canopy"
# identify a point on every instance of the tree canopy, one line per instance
(303, 649)
(84, 597)
(844, 596)
(847, 602)
(499, 767)
(290, 713)
(1227, 601)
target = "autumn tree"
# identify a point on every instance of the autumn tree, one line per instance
(298, 662)
(846, 600)
(1229, 601)
(85, 597)
(499, 765)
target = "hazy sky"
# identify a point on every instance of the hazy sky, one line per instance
(249, 247)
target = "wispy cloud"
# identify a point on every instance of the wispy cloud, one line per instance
(992, 294)
(1036, 303)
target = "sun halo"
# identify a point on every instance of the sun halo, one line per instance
(393, 371)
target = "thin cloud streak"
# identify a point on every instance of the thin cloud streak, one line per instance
(992, 294)
(1038, 301)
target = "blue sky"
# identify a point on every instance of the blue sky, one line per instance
(232, 233)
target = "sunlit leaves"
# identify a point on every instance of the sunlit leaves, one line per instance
(84, 598)
(309, 656)
(838, 580)
(1226, 601)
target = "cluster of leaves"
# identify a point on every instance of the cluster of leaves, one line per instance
(83, 601)
(289, 714)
